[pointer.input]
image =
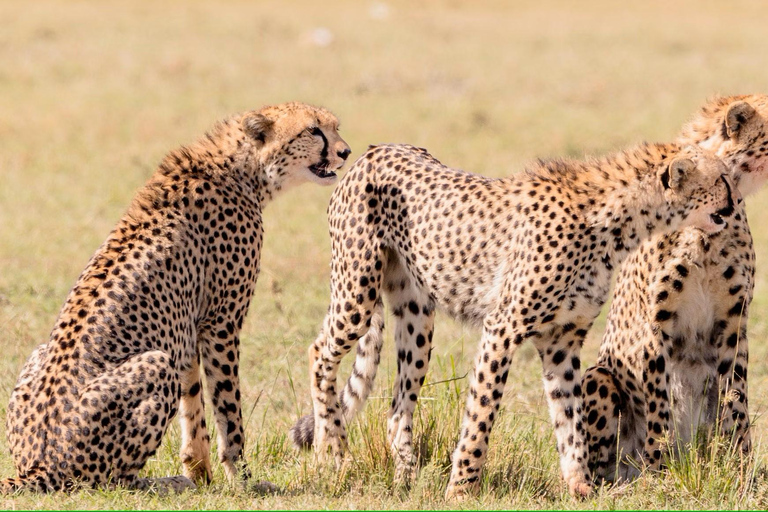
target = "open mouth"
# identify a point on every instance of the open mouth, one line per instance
(321, 169)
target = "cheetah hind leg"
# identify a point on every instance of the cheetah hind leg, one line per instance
(19, 405)
(352, 398)
(42, 483)
(127, 410)
(414, 316)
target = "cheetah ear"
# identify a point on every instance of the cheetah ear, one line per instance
(738, 115)
(257, 126)
(675, 173)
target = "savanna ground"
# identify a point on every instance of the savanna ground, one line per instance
(93, 94)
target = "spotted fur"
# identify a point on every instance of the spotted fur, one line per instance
(673, 360)
(527, 258)
(164, 297)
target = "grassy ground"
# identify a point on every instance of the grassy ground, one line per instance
(93, 94)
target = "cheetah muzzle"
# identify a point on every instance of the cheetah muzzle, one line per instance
(324, 169)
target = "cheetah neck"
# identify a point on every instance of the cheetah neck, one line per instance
(619, 196)
(272, 179)
(225, 155)
(633, 207)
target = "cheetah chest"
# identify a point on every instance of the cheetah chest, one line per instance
(693, 357)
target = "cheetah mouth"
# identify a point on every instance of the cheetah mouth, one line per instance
(322, 169)
(727, 210)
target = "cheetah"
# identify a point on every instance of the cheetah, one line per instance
(525, 257)
(674, 354)
(162, 298)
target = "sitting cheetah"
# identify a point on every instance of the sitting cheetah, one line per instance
(674, 354)
(165, 294)
(526, 257)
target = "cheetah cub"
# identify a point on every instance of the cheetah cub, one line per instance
(673, 360)
(165, 294)
(528, 257)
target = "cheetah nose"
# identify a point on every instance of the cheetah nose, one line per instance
(343, 154)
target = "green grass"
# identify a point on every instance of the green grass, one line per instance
(92, 94)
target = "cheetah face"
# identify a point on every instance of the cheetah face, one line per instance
(736, 130)
(700, 185)
(298, 143)
(332, 154)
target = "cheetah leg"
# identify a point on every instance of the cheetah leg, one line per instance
(601, 420)
(486, 388)
(415, 315)
(352, 398)
(355, 297)
(35, 480)
(614, 431)
(562, 385)
(325, 354)
(19, 409)
(367, 358)
(195, 441)
(656, 393)
(125, 413)
(220, 354)
(732, 357)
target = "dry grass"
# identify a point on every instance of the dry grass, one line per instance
(92, 94)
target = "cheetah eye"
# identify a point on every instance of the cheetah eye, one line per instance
(317, 132)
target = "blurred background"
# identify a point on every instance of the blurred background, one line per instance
(93, 94)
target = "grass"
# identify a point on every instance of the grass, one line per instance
(92, 94)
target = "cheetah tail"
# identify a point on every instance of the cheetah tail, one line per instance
(35, 480)
(359, 385)
(302, 433)
(9, 486)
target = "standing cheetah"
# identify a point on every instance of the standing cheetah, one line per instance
(526, 257)
(165, 295)
(674, 354)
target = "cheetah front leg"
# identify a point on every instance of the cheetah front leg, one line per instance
(732, 357)
(195, 441)
(220, 350)
(494, 356)
(655, 376)
(602, 409)
(657, 404)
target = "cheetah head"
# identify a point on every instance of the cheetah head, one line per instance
(296, 143)
(735, 129)
(699, 185)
